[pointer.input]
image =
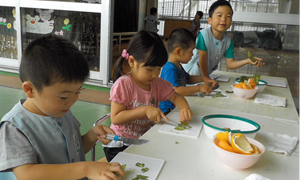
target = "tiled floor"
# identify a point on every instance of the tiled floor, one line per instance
(86, 112)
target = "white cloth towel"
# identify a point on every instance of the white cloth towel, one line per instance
(270, 100)
(279, 143)
(256, 177)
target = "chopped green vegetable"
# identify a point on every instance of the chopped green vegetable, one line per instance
(139, 164)
(246, 78)
(229, 91)
(250, 56)
(186, 124)
(140, 177)
(219, 94)
(243, 78)
(182, 126)
(256, 79)
(145, 170)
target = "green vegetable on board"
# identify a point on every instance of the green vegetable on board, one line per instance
(139, 164)
(219, 94)
(145, 170)
(182, 126)
(250, 56)
(140, 177)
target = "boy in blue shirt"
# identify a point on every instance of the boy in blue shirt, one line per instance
(40, 138)
(181, 43)
(213, 43)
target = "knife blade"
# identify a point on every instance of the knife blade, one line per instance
(126, 140)
(170, 122)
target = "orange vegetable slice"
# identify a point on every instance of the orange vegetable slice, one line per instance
(240, 144)
(224, 145)
(255, 149)
(225, 136)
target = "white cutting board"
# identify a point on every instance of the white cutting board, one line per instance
(131, 171)
(193, 132)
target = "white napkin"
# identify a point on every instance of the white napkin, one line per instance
(256, 177)
(279, 143)
(270, 100)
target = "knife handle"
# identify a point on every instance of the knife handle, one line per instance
(112, 137)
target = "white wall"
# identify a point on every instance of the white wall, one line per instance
(142, 14)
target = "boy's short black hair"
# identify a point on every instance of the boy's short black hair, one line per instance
(50, 59)
(153, 10)
(200, 13)
(216, 4)
(180, 37)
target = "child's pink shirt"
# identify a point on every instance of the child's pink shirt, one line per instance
(126, 91)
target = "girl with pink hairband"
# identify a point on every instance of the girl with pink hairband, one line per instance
(135, 96)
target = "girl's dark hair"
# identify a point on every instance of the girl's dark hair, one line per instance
(216, 4)
(50, 59)
(180, 37)
(146, 47)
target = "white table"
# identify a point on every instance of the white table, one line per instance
(193, 159)
(247, 106)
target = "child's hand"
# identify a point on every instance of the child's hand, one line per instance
(186, 114)
(155, 114)
(209, 81)
(205, 89)
(257, 63)
(100, 132)
(107, 171)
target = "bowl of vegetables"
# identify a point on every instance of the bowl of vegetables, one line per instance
(243, 92)
(238, 152)
(261, 84)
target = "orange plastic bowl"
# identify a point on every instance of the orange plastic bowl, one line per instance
(239, 161)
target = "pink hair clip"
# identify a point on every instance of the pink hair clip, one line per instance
(125, 54)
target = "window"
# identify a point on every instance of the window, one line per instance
(186, 9)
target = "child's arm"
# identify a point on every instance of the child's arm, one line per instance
(203, 58)
(180, 102)
(196, 79)
(78, 170)
(232, 64)
(91, 137)
(121, 115)
(189, 90)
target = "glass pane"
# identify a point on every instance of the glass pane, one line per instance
(8, 33)
(277, 45)
(80, 1)
(81, 28)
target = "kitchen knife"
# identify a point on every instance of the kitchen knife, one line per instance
(126, 140)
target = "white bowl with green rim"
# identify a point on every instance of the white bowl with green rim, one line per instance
(261, 86)
(213, 124)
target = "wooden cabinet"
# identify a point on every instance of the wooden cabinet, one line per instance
(171, 24)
